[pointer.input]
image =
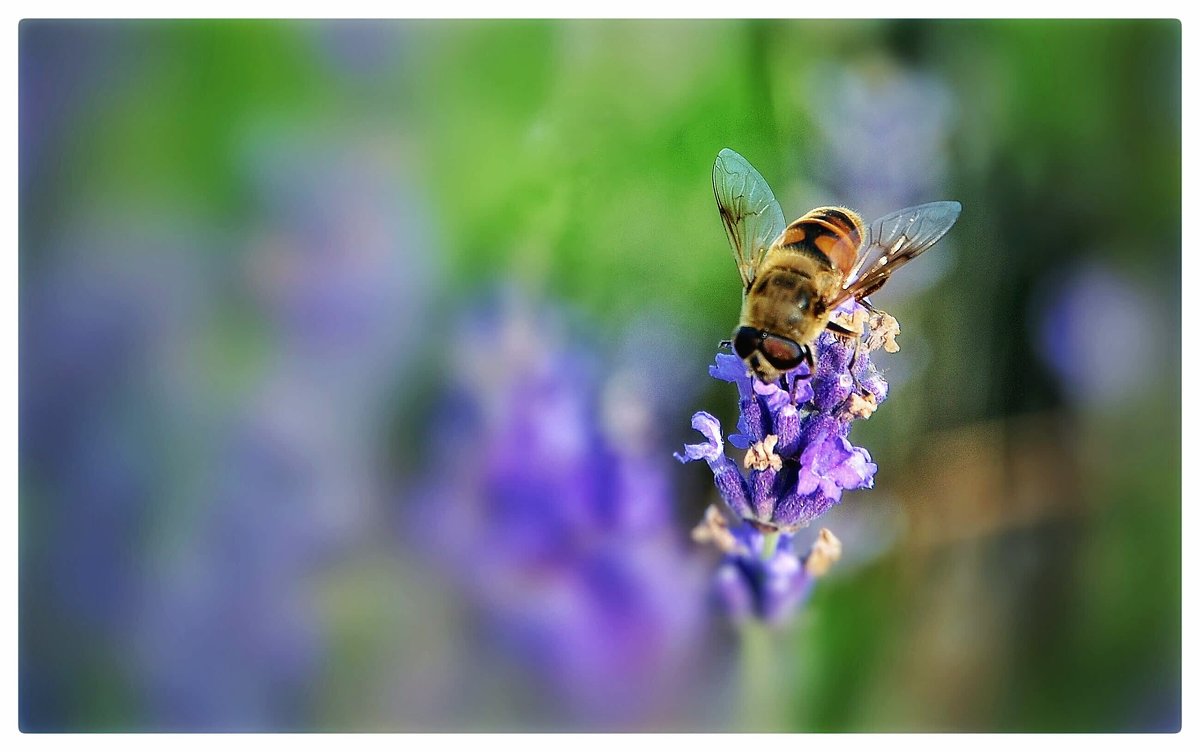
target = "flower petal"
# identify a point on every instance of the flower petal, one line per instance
(772, 395)
(706, 424)
(731, 368)
(856, 471)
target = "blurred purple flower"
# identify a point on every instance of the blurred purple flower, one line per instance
(342, 258)
(68, 70)
(231, 635)
(228, 635)
(756, 581)
(106, 311)
(363, 52)
(101, 324)
(1093, 328)
(554, 515)
(886, 129)
(184, 519)
(798, 456)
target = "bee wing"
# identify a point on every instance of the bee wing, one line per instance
(749, 210)
(894, 240)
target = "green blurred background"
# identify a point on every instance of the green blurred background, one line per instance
(1017, 566)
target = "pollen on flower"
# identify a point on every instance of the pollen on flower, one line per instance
(761, 455)
(825, 551)
(714, 529)
(882, 332)
(854, 322)
(862, 405)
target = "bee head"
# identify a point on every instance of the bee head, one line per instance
(768, 355)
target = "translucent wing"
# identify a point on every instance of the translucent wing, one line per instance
(749, 210)
(894, 240)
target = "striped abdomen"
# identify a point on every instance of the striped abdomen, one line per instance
(830, 232)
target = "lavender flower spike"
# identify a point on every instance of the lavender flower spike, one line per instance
(753, 582)
(799, 457)
(798, 461)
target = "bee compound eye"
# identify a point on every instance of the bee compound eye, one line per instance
(745, 341)
(782, 352)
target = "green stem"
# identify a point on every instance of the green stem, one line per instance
(770, 543)
(760, 691)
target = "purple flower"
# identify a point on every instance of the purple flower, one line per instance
(549, 508)
(1078, 318)
(71, 70)
(760, 577)
(106, 408)
(798, 461)
(798, 454)
(362, 52)
(342, 257)
(187, 522)
(232, 634)
(884, 130)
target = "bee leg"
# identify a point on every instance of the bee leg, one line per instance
(725, 344)
(806, 352)
(792, 389)
(837, 328)
(858, 387)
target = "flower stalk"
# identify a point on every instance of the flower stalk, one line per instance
(760, 695)
(770, 543)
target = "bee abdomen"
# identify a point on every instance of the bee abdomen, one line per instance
(831, 234)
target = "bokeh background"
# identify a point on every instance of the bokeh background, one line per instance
(352, 358)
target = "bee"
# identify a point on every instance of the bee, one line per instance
(794, 276)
